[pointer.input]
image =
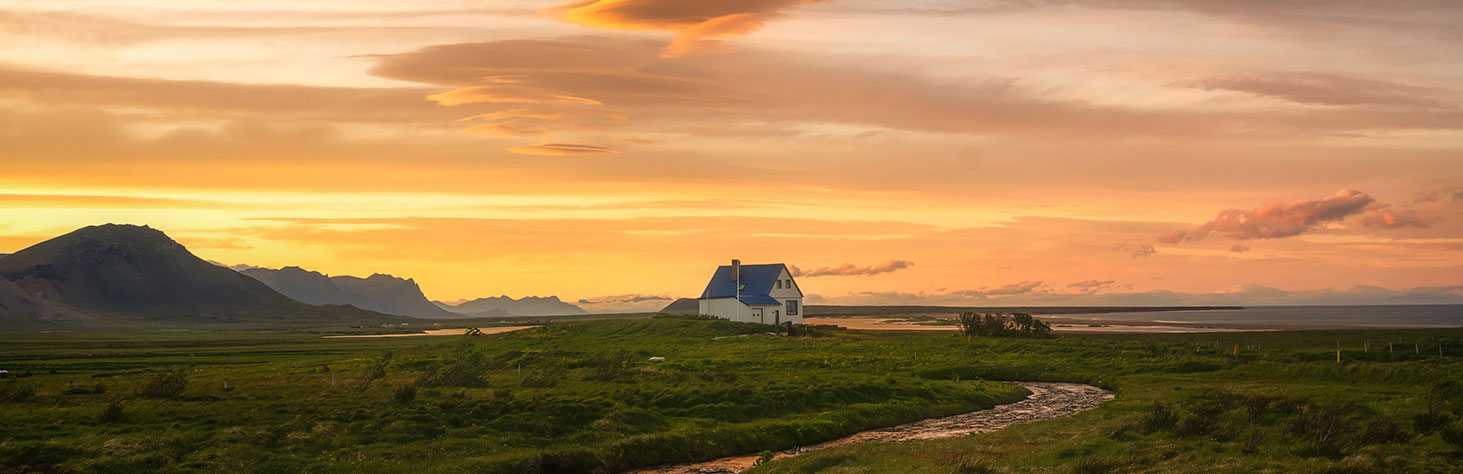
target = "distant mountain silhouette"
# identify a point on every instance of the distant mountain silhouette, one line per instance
(131, 271)
(683, 306)
(527, 306)
(17, 305)
(379, 292)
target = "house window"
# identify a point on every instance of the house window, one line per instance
(778, 284)
(792, 307)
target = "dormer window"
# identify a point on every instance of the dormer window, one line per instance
(778, 285)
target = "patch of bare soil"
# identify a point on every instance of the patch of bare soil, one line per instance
(1047, 401)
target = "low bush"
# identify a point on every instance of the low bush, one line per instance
(467, 371)
(547, 375)
(405, 394)
(169, 384)
(16, 393)
(1159, 418)
(1453, 434)
(610, 366)
(112, 414)
(1097, 466)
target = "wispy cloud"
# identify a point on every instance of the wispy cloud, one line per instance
(851, 269)
(559, 149)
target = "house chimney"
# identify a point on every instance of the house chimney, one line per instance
(736, 273)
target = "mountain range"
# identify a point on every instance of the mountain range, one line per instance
(123, 271)
(378, 292)
(505, 306)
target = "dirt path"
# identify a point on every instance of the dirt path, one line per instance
(1047, 401)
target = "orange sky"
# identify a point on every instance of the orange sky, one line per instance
(918, 151)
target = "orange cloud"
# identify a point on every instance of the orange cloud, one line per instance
(505, 94)
(1276, 220)
(540, 120)
(850, 269)
(698, 24)
(1388, 219)
(559, 149)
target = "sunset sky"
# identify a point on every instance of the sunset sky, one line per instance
(896, 152)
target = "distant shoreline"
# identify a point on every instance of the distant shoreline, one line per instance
(838, 311)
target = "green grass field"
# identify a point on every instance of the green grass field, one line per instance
(580, 396)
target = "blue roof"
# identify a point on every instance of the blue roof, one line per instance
(757, 280)
(760, 300)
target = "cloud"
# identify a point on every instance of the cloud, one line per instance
(627, 298)
(1277, 220)
(851, 269)
(1330, 89)
(698, 24)
(1091, 286)
(626, 303)
(1020, 288)
(1389, 219)
(1239, 248)
(559, 149)
(505, 94)
(540, 120)
(1138, 250)
(720, 94)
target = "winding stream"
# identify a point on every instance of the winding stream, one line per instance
(1047, 401)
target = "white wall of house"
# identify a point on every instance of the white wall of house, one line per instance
(788, 292)
(726, 308)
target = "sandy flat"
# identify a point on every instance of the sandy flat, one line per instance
(1059, 324)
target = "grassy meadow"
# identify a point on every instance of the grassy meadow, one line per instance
(581, 396)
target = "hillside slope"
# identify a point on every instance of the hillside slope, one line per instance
(17, 305)
(379, 292)
(137, 271)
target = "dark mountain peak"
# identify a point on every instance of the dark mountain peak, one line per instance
(293, 270)
(378, 292)
(133, 270)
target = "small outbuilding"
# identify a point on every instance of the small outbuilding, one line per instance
(764, 293)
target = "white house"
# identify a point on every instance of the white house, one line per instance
(763, 294)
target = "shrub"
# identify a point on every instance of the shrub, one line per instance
(112, 414)
(405, 394)
(610, 366)
(465, 372)
(975, 467)
(170, 384)
(1253, 441)
(1194, 425)
(14, 393)
(763, 457)
(1453, 434)
(1002, 325)
(1096, 466)
(1159, 418)
(376, 370)
(547, 375)
(1324, 431)
(1382, 429)
(1426, 423)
